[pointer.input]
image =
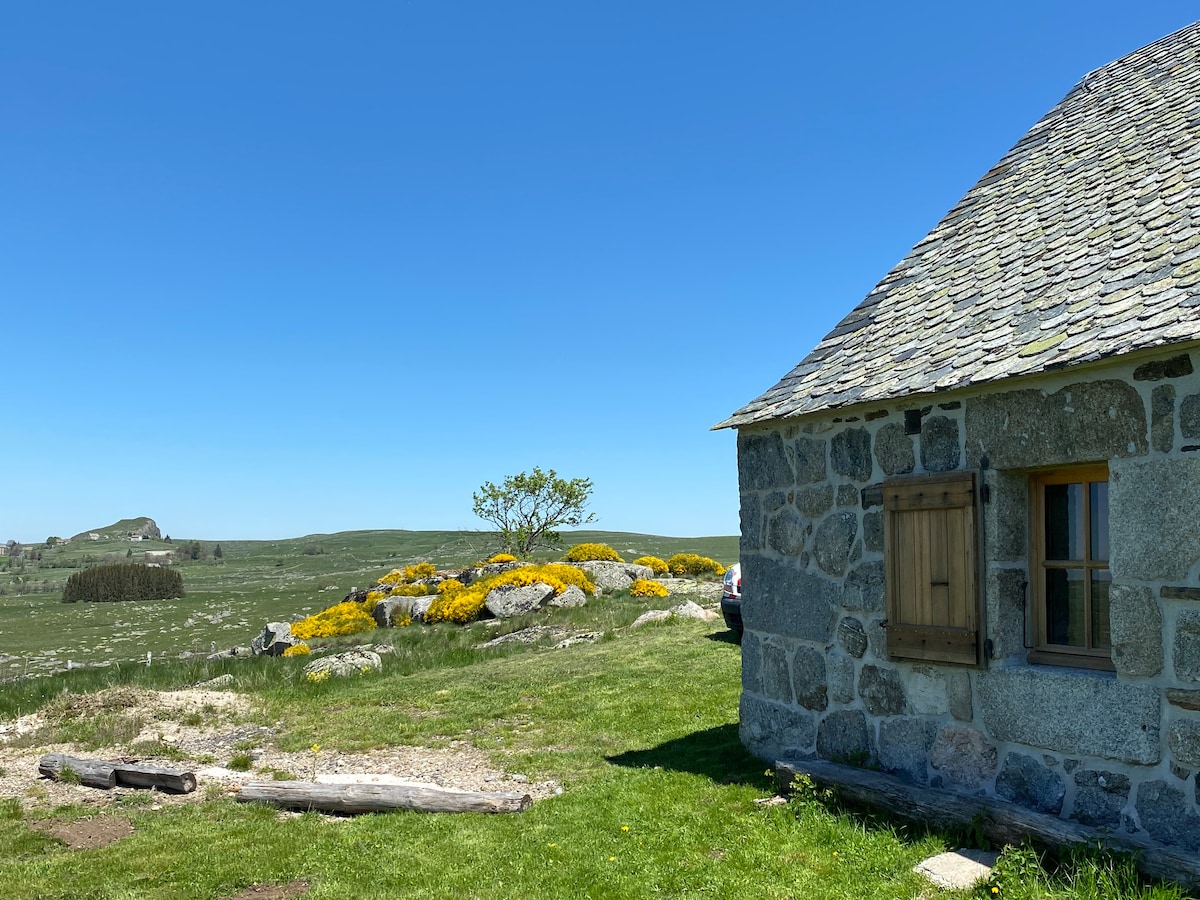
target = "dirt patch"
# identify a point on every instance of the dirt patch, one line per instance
(87, 834)
(203, 732)
(272, 891)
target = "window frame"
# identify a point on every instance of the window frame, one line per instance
(1042, 651)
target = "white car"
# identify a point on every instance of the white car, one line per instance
(731, 599)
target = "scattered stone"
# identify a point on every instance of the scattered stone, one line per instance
(232, 653)
(275, 638)
(344, 665)
(958, 870)
(510, 600)
(529, 635)
(569, 599)
(685, 610)
(613, 576)
(213, 684)
(584, 637)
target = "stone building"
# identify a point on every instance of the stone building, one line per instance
(970, 518)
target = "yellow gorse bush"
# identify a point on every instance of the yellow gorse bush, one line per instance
(346, 617)
(297, 650)
(502, 557)
(656, 565)
(457, 603)
(409, 573)
(409, 590)
(586, 552)
(420, 570)
(644, 587)
(375, 596)
(682, 564)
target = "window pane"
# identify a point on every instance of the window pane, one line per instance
(1099, 502)
(1064, 509)
(1064, 607)
(1101, 637)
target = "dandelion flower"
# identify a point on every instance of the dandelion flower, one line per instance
(315, 748)
(624, 827)
(612, 859)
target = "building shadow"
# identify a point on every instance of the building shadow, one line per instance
(715, 753)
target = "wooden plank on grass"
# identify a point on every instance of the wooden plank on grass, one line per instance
(366, 798)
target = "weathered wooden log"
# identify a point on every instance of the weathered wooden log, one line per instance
(365, 798)
(93, 772)
(1001, 822)
(172, 780)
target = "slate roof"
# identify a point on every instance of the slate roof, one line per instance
(1082, 243)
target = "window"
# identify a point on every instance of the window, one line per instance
(1069, 569)
(929, 551)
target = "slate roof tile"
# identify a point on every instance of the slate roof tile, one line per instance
(1081, 243)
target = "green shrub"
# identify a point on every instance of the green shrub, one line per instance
(122, 581)
(587, 552)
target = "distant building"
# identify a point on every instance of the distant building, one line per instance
(93, 536)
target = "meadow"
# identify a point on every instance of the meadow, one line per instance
(659, 798)
(230, 598)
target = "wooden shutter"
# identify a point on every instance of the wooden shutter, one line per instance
(929, 551)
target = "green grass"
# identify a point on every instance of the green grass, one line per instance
(640, 730)
(229, 599)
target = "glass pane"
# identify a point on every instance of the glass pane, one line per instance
(1064, 607)
(1099, 501)
(1064, 514)
(1101, 637)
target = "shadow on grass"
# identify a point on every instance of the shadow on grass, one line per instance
(725, 637)
(715, 753)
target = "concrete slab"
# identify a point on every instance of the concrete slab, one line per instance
(958, 868)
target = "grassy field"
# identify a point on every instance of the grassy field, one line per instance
(229, 599)
(639, 729)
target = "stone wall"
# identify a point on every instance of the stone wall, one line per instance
(1118, 750)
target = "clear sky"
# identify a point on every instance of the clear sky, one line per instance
(269, 269)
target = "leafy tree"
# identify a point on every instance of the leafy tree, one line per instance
(527, 508)
(51, 541)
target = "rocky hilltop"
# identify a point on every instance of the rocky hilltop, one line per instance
(142, 527)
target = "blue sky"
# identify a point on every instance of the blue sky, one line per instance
(275, 269)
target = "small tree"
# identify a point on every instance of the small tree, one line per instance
(217, 553)
(528, 507)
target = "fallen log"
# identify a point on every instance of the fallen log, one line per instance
(93, 772)
(100, 773)
(366, 798)
(1001, 822)
(173, 780)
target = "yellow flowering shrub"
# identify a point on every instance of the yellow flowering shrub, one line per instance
(409, 590)
(502, 557)
(420, 570)
(346, 617)
(585, 552)
(656, 565)
(408, 573)
(374, 596)
(682, 564)
(298, 650)
(644, 587)
(457, 603)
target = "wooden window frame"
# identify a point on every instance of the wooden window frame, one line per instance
(925, 622)
(1043, 651)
